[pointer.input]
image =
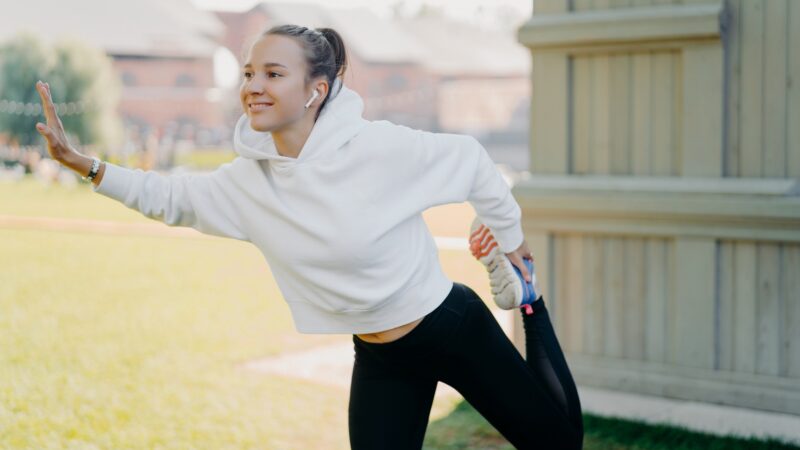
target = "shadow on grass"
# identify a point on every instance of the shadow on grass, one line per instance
(465, 428)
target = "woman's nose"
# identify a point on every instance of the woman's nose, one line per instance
(254, 85)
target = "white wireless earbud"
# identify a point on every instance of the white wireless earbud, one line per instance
(315, 95)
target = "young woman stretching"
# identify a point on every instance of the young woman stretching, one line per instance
(335, 202)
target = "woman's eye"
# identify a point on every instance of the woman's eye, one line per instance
(247, 75)
(274, 73)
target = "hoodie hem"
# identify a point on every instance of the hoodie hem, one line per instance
(415, 303)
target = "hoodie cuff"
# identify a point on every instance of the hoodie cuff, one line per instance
(115, 182)
(509, 239)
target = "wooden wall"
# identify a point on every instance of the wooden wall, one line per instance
(663, 205)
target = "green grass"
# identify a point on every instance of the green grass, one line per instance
(131, 342)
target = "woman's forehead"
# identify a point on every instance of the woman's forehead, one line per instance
(276, 49)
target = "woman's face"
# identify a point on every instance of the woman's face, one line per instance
(273, 91)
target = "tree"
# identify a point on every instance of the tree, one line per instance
(85, 90)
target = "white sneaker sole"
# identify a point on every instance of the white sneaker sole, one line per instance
(509, 289)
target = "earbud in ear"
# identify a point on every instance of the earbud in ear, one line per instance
(313, 96)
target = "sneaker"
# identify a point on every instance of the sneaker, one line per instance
(509, 288)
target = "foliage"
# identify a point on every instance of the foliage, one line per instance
(83, 83)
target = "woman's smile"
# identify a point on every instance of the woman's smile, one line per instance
(259, 106)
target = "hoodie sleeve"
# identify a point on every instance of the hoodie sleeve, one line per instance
(453, 168)
(199, 201)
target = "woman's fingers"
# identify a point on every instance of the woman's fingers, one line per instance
(49, 109)
(516, 259)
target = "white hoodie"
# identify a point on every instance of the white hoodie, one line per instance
(341, 225)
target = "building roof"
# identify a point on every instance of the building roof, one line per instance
(372, 38)
(428, 41)
(456, 48)
(170, 28)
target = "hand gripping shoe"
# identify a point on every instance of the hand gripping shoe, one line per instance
(509, 288)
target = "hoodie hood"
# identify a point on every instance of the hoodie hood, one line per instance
(340, 120)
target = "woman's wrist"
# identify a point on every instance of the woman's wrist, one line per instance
(82, 164)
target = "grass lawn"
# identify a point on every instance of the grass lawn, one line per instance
(131, 342)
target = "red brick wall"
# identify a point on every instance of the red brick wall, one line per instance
(155, 96)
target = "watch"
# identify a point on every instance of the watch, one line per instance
(93, 170)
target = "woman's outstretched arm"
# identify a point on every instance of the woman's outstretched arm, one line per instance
(199, 201)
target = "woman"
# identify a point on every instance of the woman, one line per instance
(335, 203)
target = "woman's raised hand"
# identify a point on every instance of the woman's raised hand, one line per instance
(53, 132)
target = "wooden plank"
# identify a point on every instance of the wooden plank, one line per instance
(656, 299)
(734, 70)
(702, 110)
(614, 284)
(600, 154)
(693, 330)
(581, 115)
(549, 113)
(751, 112)
(793, 93)
(641, 119)
(577, 281)
(583, 5)
(619, 70)
(745, 274)
(559, 310)
(595, 295)
(768, 309)
(663, 104)
(725, 332)
(775, 55)
(613, 4)
(634, 299)
(549, 6)
(791, 319)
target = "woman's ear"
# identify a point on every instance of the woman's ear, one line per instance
(322, 87)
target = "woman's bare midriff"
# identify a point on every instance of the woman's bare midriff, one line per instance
(393, 334)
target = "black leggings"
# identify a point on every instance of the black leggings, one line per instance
(534, 403)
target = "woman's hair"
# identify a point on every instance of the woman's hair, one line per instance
(324, 53)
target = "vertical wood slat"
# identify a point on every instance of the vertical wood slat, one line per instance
(775, 52)
(619, 113)
(600, 154)
(725, 321)
(751, 112)
(641, 120)
(575, 278)
(583, 5)
(581, 138)
(656, 299)
(793, 94)
(559, 302)
(768, 309)
(677, 133)
(693, 329)
(744, 275)
(614, 297)
(702, 110)
(791, 318)
(549, 113)
(549, 6)
(734, 70)
(634, 299)
(662, 107)
(595, 297)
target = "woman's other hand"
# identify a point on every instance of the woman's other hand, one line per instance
(53, 131)
(517, 256)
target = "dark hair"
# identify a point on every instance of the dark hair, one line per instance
(324, 53)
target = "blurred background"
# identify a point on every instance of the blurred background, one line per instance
(154, 84)
(653, 146)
